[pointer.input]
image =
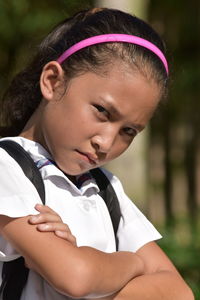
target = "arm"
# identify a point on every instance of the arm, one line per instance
(161, 279)
(173, 286)
(49, 221)
(75, 271)
(160, 274)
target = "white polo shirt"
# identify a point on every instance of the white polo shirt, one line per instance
(81, 208)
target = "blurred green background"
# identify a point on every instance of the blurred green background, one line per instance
(171, 156)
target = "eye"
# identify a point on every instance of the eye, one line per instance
(132, 132)
(102, 112)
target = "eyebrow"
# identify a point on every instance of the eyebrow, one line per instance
(117, 113)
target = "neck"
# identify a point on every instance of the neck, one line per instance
(32, 129)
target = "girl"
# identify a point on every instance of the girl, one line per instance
(93, 85)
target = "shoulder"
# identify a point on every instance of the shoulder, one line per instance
(35, 150)
(8, 164)
(117, 186)
(114, 180)
(126, 204)
(133, 223)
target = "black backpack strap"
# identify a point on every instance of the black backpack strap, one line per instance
(108, 194)
(14, 277)
(26, 163)
(14, 273)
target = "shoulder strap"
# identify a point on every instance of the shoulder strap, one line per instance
(14, 273)
(108, 194)
(14, 277)
(31, 171)
(26, 163)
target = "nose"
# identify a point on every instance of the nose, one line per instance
(104, 141)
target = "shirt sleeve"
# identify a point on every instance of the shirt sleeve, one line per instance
(18, 196)
(134, 230)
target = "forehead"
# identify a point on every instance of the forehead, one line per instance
(126, 93)
(119, 83)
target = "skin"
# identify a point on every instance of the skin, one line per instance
(108, 113)
(134, 288)
(49, 221)
(85, 125)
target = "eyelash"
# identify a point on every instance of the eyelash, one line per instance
(102, 111)
(133, 131)
(106, 115)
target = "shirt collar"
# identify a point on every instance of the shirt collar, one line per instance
(83, 182)
(48, 168)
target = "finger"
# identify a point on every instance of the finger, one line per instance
(44, 218)
(67, 236)
(53, 227)
(44, 209)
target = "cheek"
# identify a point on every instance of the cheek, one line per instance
(67, 127)
(84, 123)
(119, 147)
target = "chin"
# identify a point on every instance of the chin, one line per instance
(70, 170)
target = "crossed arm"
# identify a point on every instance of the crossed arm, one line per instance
(86, 272)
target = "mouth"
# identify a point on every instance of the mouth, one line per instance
(88, 157)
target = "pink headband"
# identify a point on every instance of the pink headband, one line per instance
(106, 38)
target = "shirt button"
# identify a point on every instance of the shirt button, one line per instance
(86, 206)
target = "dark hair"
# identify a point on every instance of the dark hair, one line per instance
(24, 95)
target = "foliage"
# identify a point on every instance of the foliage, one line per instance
(183, 248)
(23, 24)
(177, 129)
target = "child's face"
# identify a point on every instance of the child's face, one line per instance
(97, 118)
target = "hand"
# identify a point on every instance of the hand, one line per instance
(49, 221)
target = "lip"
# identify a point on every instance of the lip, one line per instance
(91, 158)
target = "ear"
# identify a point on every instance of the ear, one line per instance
(51, 79)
